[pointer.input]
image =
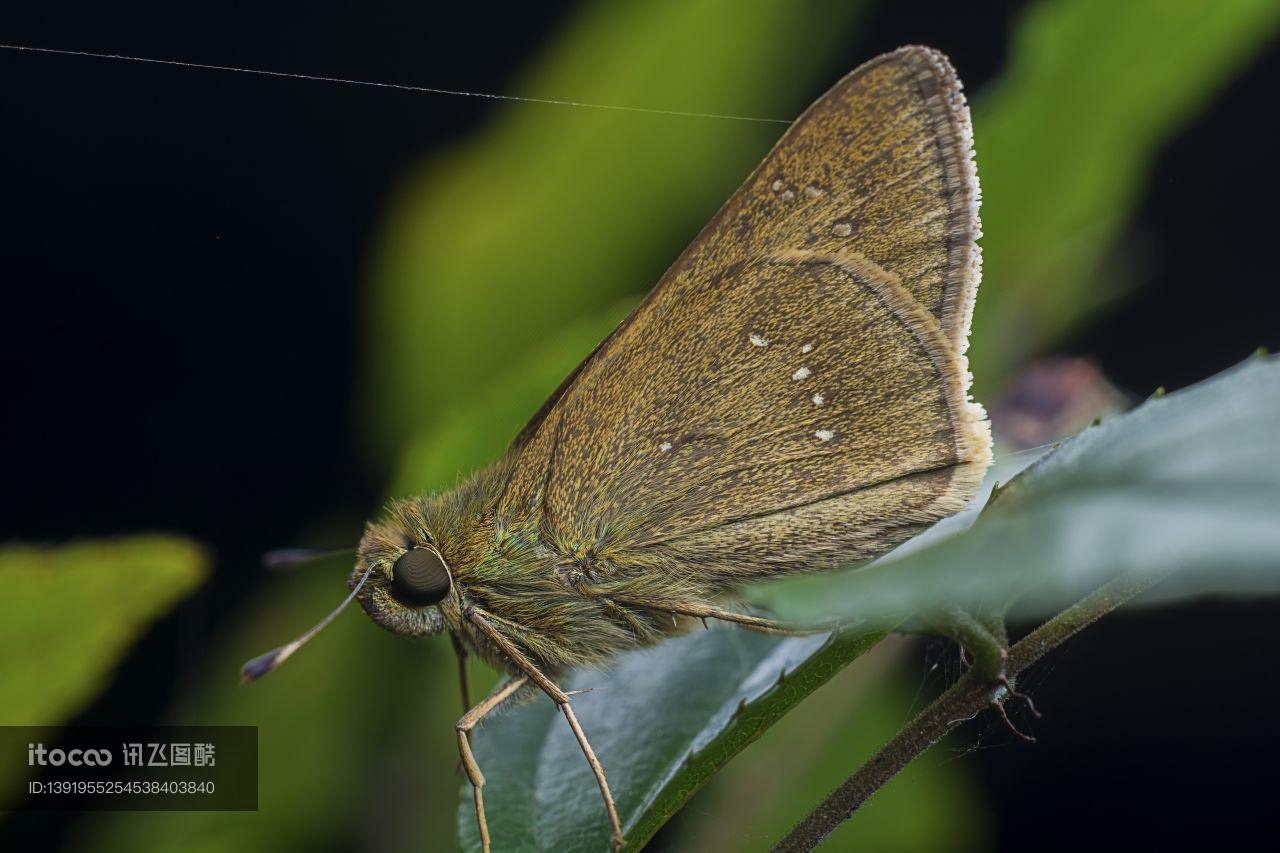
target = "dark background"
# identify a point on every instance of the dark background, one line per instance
(182, 252)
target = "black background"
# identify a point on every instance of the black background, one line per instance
(182, 252)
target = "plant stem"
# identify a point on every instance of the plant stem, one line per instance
(963, 701)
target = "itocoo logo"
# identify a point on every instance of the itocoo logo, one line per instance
(38, 755)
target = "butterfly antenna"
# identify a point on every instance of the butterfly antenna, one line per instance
(264, 663)
(287, 558)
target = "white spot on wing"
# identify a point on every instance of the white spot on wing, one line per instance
(802, 373)
(825, 435)
(758, 340)
(665, 446)
(807, 348)
(842, 229)
(787, 195)
(777, 186)
(819, 400)
(814, 192)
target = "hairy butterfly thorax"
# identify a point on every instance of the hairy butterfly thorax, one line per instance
(433, 558)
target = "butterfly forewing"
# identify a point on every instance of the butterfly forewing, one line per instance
(793, 390)
(883, 163)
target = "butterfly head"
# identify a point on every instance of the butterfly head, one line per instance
(408, 580)
(400, 579)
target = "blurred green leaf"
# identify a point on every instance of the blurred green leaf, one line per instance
(1186, 484)
(478, 428)
(69, 614)
(551, 212)
(1066, 142)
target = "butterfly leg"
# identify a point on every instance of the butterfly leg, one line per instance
(468, 722)
(530, 669)
(984, 640)
(464, 680)
(707, 611)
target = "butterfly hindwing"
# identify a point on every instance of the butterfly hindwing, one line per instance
(794, 391)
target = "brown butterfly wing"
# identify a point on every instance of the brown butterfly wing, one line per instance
(794, 391)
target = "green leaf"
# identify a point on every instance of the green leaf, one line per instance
(661, 720)
(478, 428)
(1187, 484)
(551, 212)
(69, 614)
(1066, 142)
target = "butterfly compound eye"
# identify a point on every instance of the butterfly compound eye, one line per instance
(419, 578)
